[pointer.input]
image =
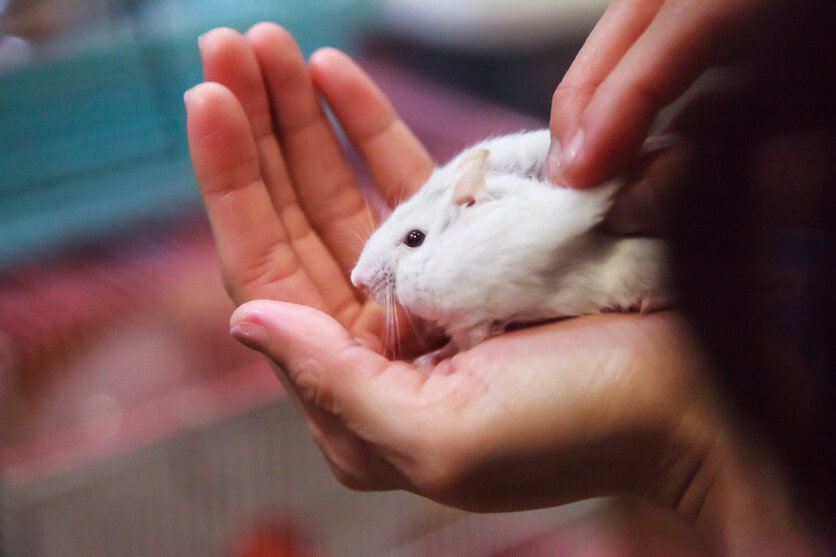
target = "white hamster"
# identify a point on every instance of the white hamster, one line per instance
(487, 243)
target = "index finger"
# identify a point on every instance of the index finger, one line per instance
(620, 26)
(684, 40)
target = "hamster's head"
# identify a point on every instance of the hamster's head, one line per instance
(407, 237)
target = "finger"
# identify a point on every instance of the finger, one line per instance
(229, 60)
(332, 371)
(324, 180)
(354, 461)
(396, 159)
(683, 40)
(358, 402)
(251, 243)
(616, 31)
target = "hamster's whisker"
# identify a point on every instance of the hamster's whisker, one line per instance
(387, 337)
(355, 236)
(397, 331)
(402, 194)
(356, 241)
(393, 321)
(392, 343)
(586, 272)
(386, 329)
(372, 223)
(414, 326)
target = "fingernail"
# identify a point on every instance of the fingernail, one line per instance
(186, 95)
(551, 169)
(251, 335)
(571, 153)
(200, 41)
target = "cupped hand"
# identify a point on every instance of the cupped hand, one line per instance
(537, 417)
(541, 416)
(284, 204)
(286, 211)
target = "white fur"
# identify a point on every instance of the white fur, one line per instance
(527, 251)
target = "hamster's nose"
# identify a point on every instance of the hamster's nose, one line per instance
(362, 286)
(359, 283)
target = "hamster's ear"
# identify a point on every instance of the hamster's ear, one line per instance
(470, 189)
(475, 160)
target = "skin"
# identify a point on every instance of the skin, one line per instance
(537, 417)
(641, 56)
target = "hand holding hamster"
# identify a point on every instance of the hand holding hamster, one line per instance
(487, 243)
(598, 405)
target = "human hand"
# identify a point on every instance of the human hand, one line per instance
(751, 167)
(284, 204)
(641, 56)
(536, 417)
(583, 407)
(285, 208)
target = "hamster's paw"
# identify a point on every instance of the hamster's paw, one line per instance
(648, 303)
(436, 356)
(426, 359)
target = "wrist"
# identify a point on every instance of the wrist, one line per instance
(724, 481)
(747, 505)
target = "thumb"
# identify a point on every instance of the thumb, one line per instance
(325, 365)
(338, 383)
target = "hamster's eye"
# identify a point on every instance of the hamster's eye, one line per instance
(414, 238)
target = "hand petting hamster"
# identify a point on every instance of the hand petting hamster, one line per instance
(487, 243)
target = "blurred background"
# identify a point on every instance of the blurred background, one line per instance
(130, 424)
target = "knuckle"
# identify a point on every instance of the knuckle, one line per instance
(568, 104)
(307, 376)
(561, 92)
(275, 264)
(573, 92)
(646, 92)
(345, 200)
